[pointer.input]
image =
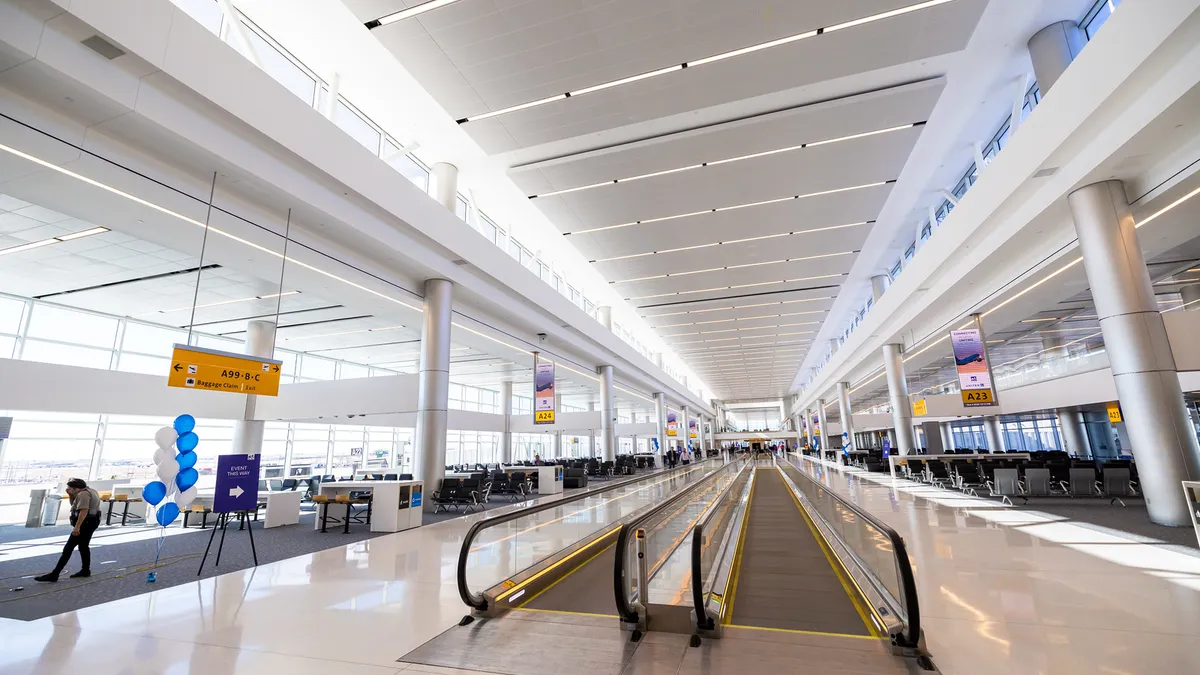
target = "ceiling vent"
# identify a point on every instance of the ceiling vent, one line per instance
(460, 262)
(103, 47)
(1046, 173)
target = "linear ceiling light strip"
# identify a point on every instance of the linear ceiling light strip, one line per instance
(739, 330)
(726, 288)
(734, 267)
(721, 209)
(732, 307)
(728, 160)
(693, 64)
(192, 221)
(29, 246)
(733, 241)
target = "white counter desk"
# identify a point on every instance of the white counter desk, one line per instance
(395, 504)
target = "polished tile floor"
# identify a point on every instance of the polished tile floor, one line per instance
(1002, 591)
(1008, 590)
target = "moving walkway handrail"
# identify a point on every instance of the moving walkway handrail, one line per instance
(908, 584)
(698, 593)
(627, 612)
(478, 600)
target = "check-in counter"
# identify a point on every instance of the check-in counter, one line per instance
(395, 504)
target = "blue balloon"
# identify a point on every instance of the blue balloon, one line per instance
(187, 441)
(167, 513)
(185, 423)
(154, 492)
(186, 460)
(186, 479)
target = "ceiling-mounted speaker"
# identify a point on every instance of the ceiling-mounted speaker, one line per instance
(103, 47)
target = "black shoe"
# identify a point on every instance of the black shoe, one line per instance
(81, 573)
(47, 577)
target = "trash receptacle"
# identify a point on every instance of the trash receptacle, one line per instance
(50, 511)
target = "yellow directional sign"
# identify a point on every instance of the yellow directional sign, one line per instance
(543, 417)
(920, 408)
(978, 397)
(1114, 413)
(212, 370)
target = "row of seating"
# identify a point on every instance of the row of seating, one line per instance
(1044, 474)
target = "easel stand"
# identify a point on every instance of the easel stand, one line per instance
(221, 524)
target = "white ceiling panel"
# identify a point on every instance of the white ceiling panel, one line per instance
(814, 170)
(750, 277)
(760, 253)
(903, 39)
(788, 216)
(820, 122)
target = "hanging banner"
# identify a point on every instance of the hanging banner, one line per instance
(543, 391)
(691, 428)
(970, 359)
(672, 424)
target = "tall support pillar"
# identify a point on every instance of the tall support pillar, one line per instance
(1143, 367)
(995, 439)
(660, 416)
(824, 436)
(608, 414)
(843, 389)
(506, 436)
(685, 432)
(1052, 49)
(604, 316)
(445, 185)
(248, 432)
(433, 386)
(947, 433)
(558, 449)
(893, 364)
(1070, 425)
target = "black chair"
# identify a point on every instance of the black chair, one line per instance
(376, 476)
(290, 484)
(574, 479)
(455, 493)
(406, 476)
(389, 476)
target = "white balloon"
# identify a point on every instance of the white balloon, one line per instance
(183, 499)
(162, 455)
(167, 471)
(165, 438)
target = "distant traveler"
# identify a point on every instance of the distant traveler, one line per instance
(85, 516)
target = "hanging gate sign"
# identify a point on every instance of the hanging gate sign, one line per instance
(543, 391)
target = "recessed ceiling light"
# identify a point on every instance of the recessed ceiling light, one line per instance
(698, 62)
(733, 241)
(218, 304)
(722, 209)
(52, 240)
(728, 160)
(733, 267)
(725, 288)
(408, 12)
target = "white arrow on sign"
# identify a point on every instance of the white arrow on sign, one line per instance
(236, 491)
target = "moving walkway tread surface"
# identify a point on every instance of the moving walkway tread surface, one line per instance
(587, 589)
(785, 580)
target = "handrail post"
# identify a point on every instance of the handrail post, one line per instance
(643, 578)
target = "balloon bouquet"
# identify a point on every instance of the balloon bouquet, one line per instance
(176, 488)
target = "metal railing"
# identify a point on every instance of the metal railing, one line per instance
(635, 530)
(878, 550)
(715, 520)
(478, 601)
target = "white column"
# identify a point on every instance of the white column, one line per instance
(558, 449)
(444, 185)
(433, 386)
(660, 416)
(1143, 367)
(608, 414)
(843, 389)
(995, 437)
(893, 363)
(824, 436)
(947, 436)
(506, 435)
(604, 316)
(248, 432)
(1070, 427)
(685, 432)
(1052, 49)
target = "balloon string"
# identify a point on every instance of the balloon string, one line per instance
(158, 551)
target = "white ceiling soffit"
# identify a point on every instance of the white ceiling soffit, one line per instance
(475, 57)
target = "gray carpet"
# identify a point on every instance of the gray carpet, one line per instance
(119, 570)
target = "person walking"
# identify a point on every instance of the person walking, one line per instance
(85, 516)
